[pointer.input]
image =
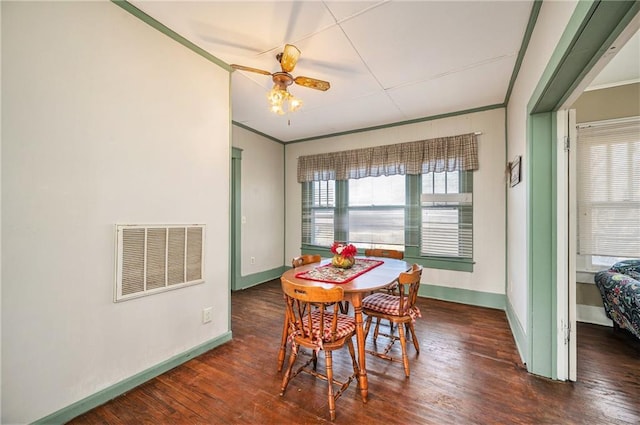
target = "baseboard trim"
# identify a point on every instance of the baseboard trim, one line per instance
(244, 282)
(76, 409)
(592, 314)
(463, 296)
(517, 331)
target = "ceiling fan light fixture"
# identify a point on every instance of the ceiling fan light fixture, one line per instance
(289, 57)
(277, 109)
(278, 97)
(294, 104)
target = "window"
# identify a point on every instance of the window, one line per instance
(447, 215)
(608, 191)
(373, 197)
(319, 202)
(376, 212)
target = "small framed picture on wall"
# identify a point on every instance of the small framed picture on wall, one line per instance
(515, 171)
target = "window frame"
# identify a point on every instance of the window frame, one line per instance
(412, 225)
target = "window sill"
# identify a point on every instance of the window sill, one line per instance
(583, 276)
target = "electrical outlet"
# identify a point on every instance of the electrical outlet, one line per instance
(207, 314)
(253, 260)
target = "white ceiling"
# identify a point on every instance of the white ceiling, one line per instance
(387, 61)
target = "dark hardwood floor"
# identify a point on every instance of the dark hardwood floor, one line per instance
(468, 372)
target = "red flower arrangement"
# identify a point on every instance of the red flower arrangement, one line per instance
(344, 250)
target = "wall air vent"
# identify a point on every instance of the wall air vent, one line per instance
(157, 258)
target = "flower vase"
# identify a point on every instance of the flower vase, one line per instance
(343, 262)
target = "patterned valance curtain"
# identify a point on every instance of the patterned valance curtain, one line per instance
(454, 153)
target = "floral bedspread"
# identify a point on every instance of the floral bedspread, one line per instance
(331, 274)
(620, 290)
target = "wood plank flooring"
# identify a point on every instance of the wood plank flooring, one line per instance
(468, 372)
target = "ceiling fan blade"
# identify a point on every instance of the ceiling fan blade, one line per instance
(248, 68)
(289, 58)
(312, 83)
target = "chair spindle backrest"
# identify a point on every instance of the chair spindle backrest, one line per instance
(409, 283)
(301, 298)
(386, 253)
(305, 259)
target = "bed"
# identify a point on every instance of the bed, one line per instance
(620, 290)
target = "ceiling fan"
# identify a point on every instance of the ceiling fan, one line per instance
(282, 79)
(278, 96)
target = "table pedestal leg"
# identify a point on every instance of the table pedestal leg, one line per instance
(362, 378)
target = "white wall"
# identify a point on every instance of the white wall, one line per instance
(262, 201)
(551, 22)
(105, 120)
(488, 197)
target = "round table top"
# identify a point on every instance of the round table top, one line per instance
(374, 279)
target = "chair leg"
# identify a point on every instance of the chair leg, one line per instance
(377, 328)
(282, 353)
(367, 326)
(356, 369)
(287, 375)
(344, 307)
(416, 344)
(403, 342)
(314, 357)
(332, 400)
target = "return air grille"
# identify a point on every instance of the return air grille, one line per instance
(152, 259)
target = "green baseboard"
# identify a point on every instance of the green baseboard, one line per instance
(244, 282)
(76, 409)
(463, 296)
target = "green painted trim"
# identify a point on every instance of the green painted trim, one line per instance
(316, 250)
(517, 330)
(248, 281)
(76, 409)
(236, 153)
(541, 241)
(533, 18)
(170, 33)
(266, 136)
(463, 296)
(412, 213)
(592, 28)
(236, 219)
(453, 264)
(578, 20)
(396, 124)
(341, 211)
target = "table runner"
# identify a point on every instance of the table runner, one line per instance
(330, 274)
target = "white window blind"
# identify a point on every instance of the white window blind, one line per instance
(608, 188)
(447, 215)
(319, 201)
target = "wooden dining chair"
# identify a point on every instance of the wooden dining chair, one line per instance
(305, 259)
(400, 310)
(386, 253)
(295, 262)
(322, 328)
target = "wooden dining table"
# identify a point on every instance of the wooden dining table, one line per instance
(355, 290)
